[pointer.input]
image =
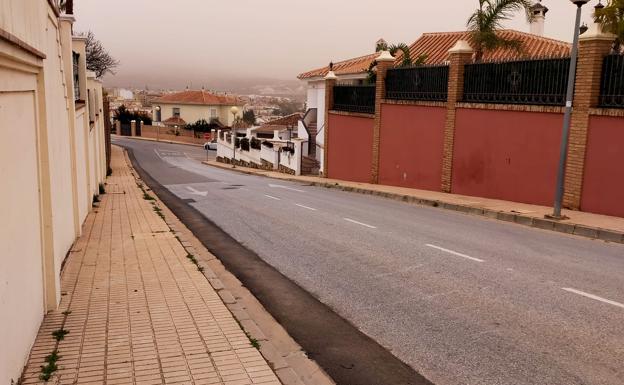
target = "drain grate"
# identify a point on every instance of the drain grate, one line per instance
(229, 188)
(189, 200)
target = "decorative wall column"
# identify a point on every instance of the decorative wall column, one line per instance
(330, 82)
(384, 61)
(459, 56)
(66, 23)
(594, 45)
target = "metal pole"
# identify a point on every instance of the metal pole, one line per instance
(233, 145)
(567, 117)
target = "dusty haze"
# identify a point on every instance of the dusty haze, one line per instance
(226, 44)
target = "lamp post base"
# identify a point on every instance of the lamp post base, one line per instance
(556, 218)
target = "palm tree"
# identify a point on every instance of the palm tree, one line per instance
(611, 18)
(394, 49)
(488, 19)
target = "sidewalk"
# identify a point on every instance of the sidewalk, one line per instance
(135, 309)
(584, 224)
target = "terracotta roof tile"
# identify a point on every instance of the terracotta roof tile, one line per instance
(437, 44)
(199, 97)
(352, 66)
(291, 120)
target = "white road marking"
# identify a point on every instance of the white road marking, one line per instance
(455, 253)
(306, 207)
(359, 223)
(272, 197)
(197, 192)
(285, 187)
(593, 297)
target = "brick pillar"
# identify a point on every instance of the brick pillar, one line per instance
(133, 128)
(330, 82)
(384, 62)
(594, 45)
(459, 55)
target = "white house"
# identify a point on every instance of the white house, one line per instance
(187, 107)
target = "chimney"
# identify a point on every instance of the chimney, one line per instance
(538, 11)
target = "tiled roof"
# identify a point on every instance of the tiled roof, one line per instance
(346, 67)
(174, 121)
(200, 98)
(437, 44)
(291, 120)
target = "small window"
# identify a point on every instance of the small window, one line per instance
(76, 70)
(176, 112)
(213, 113)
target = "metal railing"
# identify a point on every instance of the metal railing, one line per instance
(541, 82)
(612, 83)
(429, 83)
(354, 98)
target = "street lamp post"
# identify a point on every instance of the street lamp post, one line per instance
(157, 126)
(568, 112)
(234, 111)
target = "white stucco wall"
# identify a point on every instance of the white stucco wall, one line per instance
(44, 141)
(192, 113)
(21, 279)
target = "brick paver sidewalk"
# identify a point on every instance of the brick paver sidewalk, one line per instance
(136, 309)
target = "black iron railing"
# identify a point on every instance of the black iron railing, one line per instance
(612, 84)
(429, 83)
(354, 98)
(541, 82)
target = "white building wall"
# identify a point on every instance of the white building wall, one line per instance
(39, 206)
(60, 167)
(192, 113)
(21, 280)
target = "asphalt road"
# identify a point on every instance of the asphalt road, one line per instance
(461, 299)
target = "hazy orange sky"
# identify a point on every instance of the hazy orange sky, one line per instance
(175, 42)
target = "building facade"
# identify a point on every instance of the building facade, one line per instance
(188, 107)
(52, 161)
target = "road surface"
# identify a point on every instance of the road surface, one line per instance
(461, 299)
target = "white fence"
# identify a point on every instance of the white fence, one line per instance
(266, 155)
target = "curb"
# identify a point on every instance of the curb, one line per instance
(525, 220)
(287, 374)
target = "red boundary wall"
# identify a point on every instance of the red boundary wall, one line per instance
(603, 183)
(411, 146)
(350, 150)
(506, 155)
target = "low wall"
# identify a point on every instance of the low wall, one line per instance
(350, 152)
(603, 183)
(163, 133)
(508, 155)
(411, 144)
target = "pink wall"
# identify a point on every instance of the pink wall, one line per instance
(350, 148)
(506, 155)
(603, 182)
(412, 141)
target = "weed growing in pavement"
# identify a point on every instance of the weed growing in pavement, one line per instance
(96, 199)
(50, 367)
(67, 312)
(254, 342)
(102, 189)
(60, 334)
(148, 197)
(192, 258)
